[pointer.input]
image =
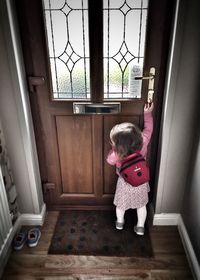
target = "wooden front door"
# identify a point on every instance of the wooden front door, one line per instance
(72, 147)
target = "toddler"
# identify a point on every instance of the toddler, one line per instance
(126, 139)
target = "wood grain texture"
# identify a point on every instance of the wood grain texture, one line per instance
(169, 261)
(75, 153)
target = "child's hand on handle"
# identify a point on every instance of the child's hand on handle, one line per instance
(148, 107)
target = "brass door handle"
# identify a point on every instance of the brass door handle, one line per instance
(151, 79)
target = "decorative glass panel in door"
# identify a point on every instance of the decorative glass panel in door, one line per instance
(124, 43)
(124, 31)
(68, 47)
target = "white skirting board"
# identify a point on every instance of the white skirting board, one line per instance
(165, 219)
(22, 220)
(175, 219)
(33, 219)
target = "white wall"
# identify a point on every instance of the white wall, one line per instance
(179, 113)
(15, 115)
(191, 206)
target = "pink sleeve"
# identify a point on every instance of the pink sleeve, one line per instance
(112, 158)
(147, 132)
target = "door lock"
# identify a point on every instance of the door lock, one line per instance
(151, 79)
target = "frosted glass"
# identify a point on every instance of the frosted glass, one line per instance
(124, 45)
(124, 33)
(68, 47)
(53, 4)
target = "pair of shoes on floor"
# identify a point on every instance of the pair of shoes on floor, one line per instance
(137, 230)
(31, 238)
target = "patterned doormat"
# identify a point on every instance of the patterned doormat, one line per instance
(93, 233)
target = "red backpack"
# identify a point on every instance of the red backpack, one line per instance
(134, 170)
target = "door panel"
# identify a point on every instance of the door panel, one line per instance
(75, 153)
(72, 149)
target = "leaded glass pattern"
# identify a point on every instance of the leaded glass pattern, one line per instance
(68, 47)
(124, 44)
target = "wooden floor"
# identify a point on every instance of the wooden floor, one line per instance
(169, 261)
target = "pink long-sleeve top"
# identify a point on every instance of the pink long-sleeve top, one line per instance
(113, 158)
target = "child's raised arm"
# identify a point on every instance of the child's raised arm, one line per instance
(148, 126)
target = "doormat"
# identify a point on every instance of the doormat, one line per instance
(93, 233)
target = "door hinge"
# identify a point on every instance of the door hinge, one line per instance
(35, 81)
(48, 186)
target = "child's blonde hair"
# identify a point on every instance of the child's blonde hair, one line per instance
(126, 138)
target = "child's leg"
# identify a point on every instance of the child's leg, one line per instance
(119, 224)
(120, 215)
(141, 215)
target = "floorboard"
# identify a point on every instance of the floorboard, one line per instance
(169, 261)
